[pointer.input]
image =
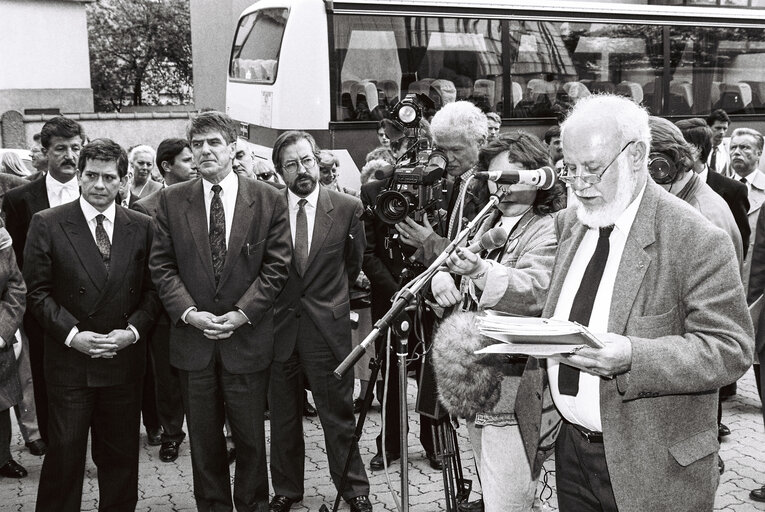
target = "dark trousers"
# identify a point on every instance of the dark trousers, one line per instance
(149, 400)
(392, 424)
(5, 436)
(112, 416)
(35, 335)
(167, 385)
(334, 402)
(209, 396)
(581, 474)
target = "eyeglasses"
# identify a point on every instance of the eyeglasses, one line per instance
(569, 176)
(307, 163)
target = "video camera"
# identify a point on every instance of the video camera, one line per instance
(417, 182)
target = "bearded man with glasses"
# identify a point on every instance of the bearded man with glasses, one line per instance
(313, 327)
(639, 429)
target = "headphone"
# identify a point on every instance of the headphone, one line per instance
(662, 169)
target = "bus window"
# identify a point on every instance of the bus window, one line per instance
(257, 42)
(378, 60)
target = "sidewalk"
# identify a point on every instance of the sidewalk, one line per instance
(168, 487)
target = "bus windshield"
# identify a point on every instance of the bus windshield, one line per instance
(257, 42)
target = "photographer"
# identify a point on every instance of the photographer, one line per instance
(513, 278)
(459, 130)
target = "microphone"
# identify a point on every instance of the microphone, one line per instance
(492, 239)
(543, 178)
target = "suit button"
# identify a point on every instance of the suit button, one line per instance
(82, 290)
(297, 315)
(132, 290)
(124, 315)
(217, 299)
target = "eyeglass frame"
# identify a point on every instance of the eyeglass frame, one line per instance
(590, 178)
(286, 166)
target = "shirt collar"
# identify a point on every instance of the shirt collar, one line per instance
(226, 183)
(53, 184)
(91, 213)
(312, 199)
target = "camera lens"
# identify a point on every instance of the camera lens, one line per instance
(392, 207)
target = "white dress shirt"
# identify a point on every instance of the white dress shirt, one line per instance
(90, 214)
(310, 212)
(722, 161)
(584, 408)
(229, 190)
(61, 193)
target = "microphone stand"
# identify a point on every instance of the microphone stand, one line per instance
(404, 298)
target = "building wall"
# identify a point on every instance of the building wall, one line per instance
(212, 31)
(44, 56)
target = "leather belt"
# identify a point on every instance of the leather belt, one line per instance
(590, 435)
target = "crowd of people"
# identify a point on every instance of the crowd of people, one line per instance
(197, 285)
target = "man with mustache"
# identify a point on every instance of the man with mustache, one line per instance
(639, 429)
(61, 139)
(176, 163)
(313, 326)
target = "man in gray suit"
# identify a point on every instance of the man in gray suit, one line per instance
(639, 428)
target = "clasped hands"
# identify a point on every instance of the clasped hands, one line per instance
(216, 327)
(105, 346)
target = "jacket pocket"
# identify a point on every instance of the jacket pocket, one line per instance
(653, 326)
(341, 310)
(696, 447)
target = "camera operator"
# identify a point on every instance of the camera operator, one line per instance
(513, 278)
(459, 130)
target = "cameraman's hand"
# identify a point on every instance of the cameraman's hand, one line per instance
(444, 290)
(412, 233)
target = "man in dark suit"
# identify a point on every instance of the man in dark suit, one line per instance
(221, 255)
(313, 327)
(89, 286)
(61, 140)
(176, 163)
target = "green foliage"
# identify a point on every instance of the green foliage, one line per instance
(140, 52)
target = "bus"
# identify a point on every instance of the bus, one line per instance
(334, 68)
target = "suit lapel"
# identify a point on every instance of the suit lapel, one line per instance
(321, 225)
(567, 246)
(243, 214)
(38, 197)
(77, 231)
(635, 261)
(196, 217)
(757, 193)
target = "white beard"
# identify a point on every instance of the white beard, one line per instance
(606, 215)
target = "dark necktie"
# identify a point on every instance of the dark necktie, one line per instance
(743, 180)
(217, 233)
(581, 308)
(102, 241)
(301, 237)
(713, 161)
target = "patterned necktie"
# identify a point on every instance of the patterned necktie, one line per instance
(581, 308)
(301, 237)
(459, 187)
(217, 233)
(102, 241)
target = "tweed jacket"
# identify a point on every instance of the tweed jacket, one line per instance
(11, 313)
(679, 299)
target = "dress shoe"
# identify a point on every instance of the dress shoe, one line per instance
(37, 447)
(758, 494)
(720, 464)
(13, 469)
(231, 455)
(472, 506)
(357, 405)
(154, 435)
(281, 503)
(435, 461)
(360, 504)
(722, 430)
(309, 411)
(169, 451)
(377, 463)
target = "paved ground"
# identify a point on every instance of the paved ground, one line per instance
(167, 487)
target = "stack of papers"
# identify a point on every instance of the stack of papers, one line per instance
(533, 336)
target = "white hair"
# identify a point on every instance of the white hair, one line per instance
(460, 117)
(630, 119)
(143, 148)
